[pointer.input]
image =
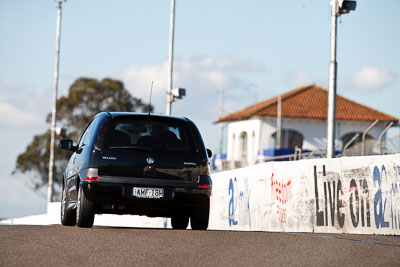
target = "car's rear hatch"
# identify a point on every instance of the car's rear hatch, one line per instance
(149, 147)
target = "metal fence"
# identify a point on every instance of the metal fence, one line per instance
(373, 147)
(368, 148)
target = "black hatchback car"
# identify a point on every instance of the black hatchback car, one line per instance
(130, 163)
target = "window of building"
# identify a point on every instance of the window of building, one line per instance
(289, 139)
(243, 146)
(253, 148)
(347, 137)
(233, 144)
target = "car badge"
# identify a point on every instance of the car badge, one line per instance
(150, 160)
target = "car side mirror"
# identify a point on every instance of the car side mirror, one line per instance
(67, 144)
(209, 153)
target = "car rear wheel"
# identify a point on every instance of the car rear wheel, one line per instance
(68, 216)
(180, 221)
(84, 210)
(199, 218)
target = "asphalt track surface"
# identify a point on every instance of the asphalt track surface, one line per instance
(109, 246)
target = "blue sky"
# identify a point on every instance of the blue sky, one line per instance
(252, 50)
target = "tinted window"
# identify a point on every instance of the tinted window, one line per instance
(86, 135)
(138, 132)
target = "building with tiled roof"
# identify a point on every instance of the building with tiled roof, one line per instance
(252, 131)
(309, 102)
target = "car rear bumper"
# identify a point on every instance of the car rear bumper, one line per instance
(114, 195)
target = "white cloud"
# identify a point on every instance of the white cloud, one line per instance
(298, 78)
(137, 80)
(22, 105)
(8, 83)
(202, 76)
(226, 63)
(12, 116)
(372, 79)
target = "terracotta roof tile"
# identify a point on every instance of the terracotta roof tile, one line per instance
(309, 102)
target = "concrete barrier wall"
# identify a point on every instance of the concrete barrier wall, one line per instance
(358, 195)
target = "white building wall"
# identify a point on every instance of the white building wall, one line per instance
(346, 127)
(268, 128)
(313, 131)
(234, 131)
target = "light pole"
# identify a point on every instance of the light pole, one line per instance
(171, 57)
(339, 7)
(54, 110)
(278, 123)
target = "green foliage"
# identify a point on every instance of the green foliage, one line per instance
(86, 98)
(35, 162)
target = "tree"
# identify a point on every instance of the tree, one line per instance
(86, 98)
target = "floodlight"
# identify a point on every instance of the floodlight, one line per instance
(345, 6)
(178, 93)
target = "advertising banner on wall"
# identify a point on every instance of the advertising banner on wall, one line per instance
(346, 195)
(354, 195)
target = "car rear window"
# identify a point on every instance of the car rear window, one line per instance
(148, 134)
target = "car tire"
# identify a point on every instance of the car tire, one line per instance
(68, 216)
(180, 221)
(84, 210)
(200, 216)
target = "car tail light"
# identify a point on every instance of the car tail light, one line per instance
(204, 186)
(89, 178)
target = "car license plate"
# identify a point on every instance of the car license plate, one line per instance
(142, 192)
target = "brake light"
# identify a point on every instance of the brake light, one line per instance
(204, 186)
(89, 178)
